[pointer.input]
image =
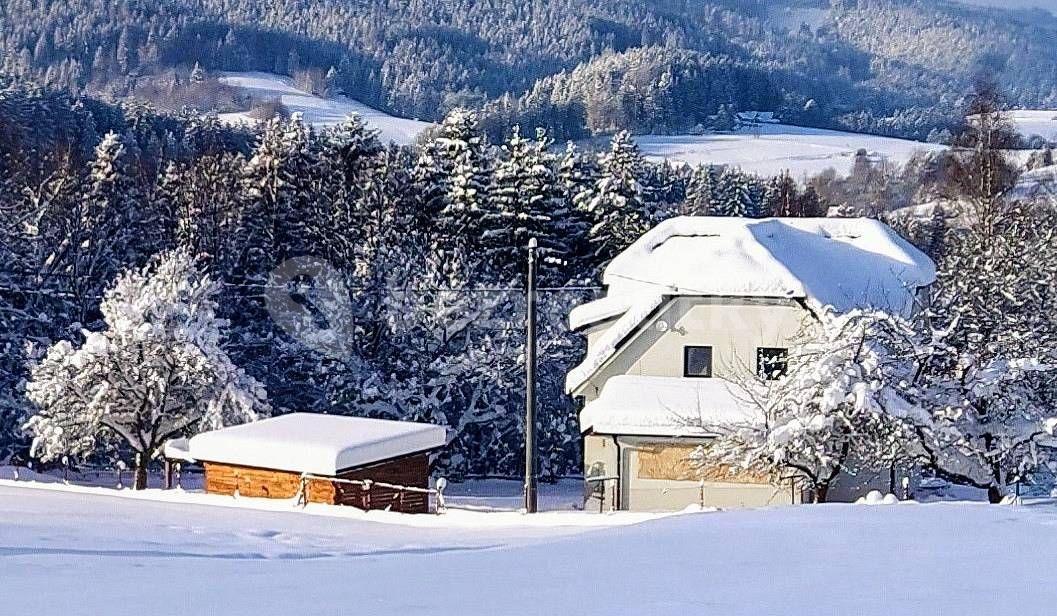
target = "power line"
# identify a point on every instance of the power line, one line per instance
(430, 289)
(457, 290)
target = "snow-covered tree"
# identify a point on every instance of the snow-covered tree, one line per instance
(198, 74)
(157, 371)
(451, 177)
(837, 410)
(699, 191)
(989, 420)
(526, 202)
(780, 197)
(617, 202)
(737, 194)
(280, 185)
(987, 378)
(202, 201)
(577, 174)
(725, 120)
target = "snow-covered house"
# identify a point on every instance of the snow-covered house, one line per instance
(306, 454)
(694, 307)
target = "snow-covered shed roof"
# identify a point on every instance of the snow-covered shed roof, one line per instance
(314, 443)
(828, 263)
(667, 406)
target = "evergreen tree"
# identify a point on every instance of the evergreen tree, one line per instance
(577, 176)
(724, 120)
(737, 194)
(112, 218)
(699, 192)
(198, 74)
(451, 177)
(616, 204)
(525, 203)
(280, 183)
(780, 197)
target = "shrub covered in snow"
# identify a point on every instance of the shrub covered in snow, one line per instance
(837, 409)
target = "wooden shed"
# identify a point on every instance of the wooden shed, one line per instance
(331, 459)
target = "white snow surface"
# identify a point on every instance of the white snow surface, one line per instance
(666, 406)
(317, 111)
(1031, 122)
(314, 443)
(771, 149)
(75, 554)
(830, 263)
(597, 311)
(843, 263)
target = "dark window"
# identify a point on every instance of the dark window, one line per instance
(772, 363)
(697, 361)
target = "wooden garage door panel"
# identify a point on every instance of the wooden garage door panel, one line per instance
(675, 463)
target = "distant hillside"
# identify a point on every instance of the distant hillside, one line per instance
(893, 67)
(318, 111)
(773, 149)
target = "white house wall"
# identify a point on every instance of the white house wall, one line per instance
(733, 327)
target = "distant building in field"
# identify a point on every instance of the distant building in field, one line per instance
(695, 306)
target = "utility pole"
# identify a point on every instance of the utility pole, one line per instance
(530, 381)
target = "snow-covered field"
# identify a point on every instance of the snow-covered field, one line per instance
(70, 553)
(774, 148)
(1038, 183)
(319, 111)
(1030, 122)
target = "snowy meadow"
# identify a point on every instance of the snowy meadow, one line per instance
(77, 553)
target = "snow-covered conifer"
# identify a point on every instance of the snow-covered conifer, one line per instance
(699, 191)
(279, 183)
(525, 203)
(451, 176)
(617, 203)
(198, 74)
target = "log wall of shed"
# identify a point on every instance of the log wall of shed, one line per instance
(410, 471)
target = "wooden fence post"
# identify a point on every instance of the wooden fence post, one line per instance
(168, 474)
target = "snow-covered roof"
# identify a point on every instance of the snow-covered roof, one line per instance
(763, 117)
(845, 263)
(177, 449)
(666, 406)
(606, 345)
(837, 263)
(314, 443)
(598, 311)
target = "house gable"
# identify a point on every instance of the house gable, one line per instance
(734, 327)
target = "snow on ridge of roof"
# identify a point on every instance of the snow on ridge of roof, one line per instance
(844, 263)
(314, 442)
(667, 406)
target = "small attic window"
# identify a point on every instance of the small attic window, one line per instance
(697, 362)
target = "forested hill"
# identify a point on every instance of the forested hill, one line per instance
(576, 66)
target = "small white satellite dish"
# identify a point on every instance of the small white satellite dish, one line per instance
(662, 326)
